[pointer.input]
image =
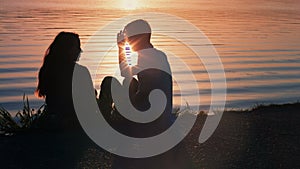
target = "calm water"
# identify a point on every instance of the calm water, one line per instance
(258, 43)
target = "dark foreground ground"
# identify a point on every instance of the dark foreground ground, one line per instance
(265, 137)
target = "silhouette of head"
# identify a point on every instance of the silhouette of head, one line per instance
(63, 51)
(65, 47)
(138, 34)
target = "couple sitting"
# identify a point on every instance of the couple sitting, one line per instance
(152, 70)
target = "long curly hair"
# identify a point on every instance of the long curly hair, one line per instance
(63, 51)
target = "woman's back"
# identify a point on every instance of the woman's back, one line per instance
(59, 92)
(55, 81)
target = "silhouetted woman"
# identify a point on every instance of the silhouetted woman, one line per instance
(55, 81)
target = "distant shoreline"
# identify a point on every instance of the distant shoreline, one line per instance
(37, 103)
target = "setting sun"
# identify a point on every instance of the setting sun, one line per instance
(129, 4)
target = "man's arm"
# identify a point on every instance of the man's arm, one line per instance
(123, 65)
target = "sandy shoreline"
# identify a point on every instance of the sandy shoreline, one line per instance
(265, 137)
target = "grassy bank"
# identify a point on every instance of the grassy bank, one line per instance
(266, 136)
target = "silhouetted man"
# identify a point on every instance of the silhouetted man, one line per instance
(152, 70)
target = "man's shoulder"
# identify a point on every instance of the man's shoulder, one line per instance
(162, 56)
(160, 52)
(151, 51)
(154, 58)
(155, 54)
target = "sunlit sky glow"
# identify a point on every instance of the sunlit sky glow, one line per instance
(129, 4)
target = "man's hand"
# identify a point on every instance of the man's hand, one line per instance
(121, 39)
(121, 45)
